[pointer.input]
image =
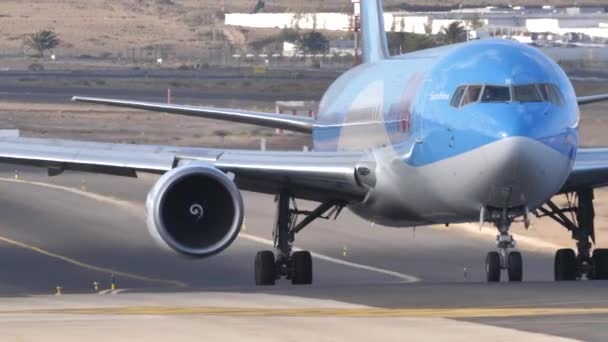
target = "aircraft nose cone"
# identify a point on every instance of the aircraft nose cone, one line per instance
(523, 171)
(513, 124)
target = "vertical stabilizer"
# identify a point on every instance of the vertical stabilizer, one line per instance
(373, 35)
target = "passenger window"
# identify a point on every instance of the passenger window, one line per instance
(457, 96)
(527, 93)
(471, 95)
(496, 94)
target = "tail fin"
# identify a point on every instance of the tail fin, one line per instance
(373, 36)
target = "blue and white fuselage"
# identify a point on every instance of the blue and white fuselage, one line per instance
(508, 143)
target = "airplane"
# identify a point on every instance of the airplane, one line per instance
(482, 131)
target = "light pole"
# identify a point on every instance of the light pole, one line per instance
(356, 27)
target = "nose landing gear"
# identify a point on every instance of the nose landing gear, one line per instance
(577, 217)
(512, 262)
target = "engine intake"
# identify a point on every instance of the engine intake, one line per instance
(196, 210)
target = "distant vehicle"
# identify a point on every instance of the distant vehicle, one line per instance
(35, 67)
(480, 131)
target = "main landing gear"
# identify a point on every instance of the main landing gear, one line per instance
(295, 266)
(577, 217)
(496, 261)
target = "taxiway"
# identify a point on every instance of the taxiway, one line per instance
(77, 229)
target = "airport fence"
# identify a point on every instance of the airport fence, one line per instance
(189, 58)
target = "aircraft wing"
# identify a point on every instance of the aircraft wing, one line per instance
(585, 100)
(294, 123)
(590, 170)
(309, 175)
(591, 165)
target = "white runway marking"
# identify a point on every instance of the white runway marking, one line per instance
(404, 277)
(100, 198)
(89, 266)
(138, 211)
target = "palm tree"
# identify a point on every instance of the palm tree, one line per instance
(41, 41)
(313, 42)
(453, 33)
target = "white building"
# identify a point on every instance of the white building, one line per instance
(565, 26)
(342, 47)
(290, 49)
(557, 21)
(307, 21)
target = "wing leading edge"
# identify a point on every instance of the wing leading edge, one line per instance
(309, 175)
(294, 123)
(590, 170)
(585, 100)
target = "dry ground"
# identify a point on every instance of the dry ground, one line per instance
(124, 28)
(100, 26)
(84, 122)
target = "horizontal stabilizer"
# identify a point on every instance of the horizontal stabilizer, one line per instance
(592, 99)
(294, 123)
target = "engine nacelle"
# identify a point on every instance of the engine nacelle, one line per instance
(196, 210)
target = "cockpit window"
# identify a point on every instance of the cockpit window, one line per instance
(496, 94)
(457, 96)
(551, 93)
(527, 93)
(541, 92)
(471, 95)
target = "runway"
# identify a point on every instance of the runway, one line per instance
(58, 86)
(82, 228)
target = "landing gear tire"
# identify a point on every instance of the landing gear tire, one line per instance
(582, 264)
(265, 270)
(515, 267)
(600, 264)
(565, 265)
(493, 267)
(302, 268)
(295, 266)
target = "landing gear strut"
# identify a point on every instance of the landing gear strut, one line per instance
(295, 266)
(503, 259)
(578, 218)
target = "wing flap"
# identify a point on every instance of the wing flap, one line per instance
(61, 153)
(309, 175)
(304, 171)
(294, 123)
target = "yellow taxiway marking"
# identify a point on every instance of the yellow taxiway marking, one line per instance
(89, 266)
(534, 243)
(322, 312)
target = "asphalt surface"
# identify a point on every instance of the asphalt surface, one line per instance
(54, 94)
(54, 236)
(50, 87)
(212, 74)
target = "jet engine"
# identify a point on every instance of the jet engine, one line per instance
(195, 210)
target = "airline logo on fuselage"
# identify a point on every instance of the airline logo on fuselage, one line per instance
(402, 111)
